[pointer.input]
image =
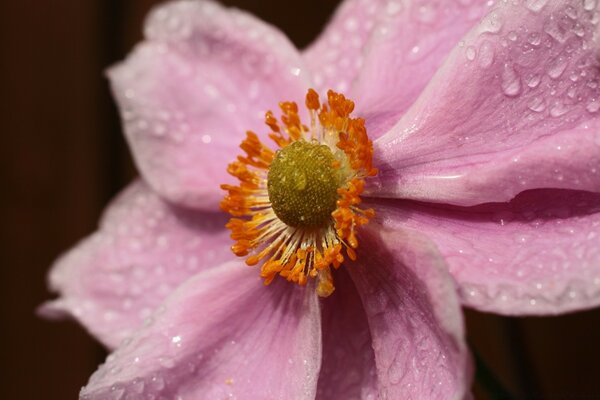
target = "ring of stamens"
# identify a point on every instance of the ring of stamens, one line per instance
(297, 210)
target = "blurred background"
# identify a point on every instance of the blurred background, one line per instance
(64, 157)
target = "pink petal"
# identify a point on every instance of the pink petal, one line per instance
(223, 334)
(348, 368)
(335, 57)
(414, 316)
(188, 94)
(144, 249)
(538, 254)
(408, 45)
(495, 119)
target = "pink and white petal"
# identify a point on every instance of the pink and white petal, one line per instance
(409, 44)
(386, 51)
(335, 57)
(143, 250)
(222, 334)
(204, 76)
(414, 316)
(525, 83)
(348, 366)
(565, 160)
(538, 254)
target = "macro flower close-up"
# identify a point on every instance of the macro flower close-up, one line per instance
(307, 224)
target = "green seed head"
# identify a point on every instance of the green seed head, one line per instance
(303, 183)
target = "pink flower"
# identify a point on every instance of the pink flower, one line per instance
(484, 120)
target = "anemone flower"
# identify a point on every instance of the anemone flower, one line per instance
(470, 174)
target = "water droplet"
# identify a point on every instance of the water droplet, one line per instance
(511, 82)
(579, 30)
(555, 31)
(535, 5)
(138, 386)
(558, 109)
(491, 23)
(557, 67)
(158, 383)
(571, 12)
(117, 392)
(593, 106)
(534, 38)
(533, 81)
(532, 302)
(537, 104)
(589, 5)
(486, 54)
(470, 53)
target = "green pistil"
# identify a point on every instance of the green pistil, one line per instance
(303, 183)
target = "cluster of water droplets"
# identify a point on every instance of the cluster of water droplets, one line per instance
(177, 75)
(178, 355)
(551, 67)
(141, 253)
(411, 360)
(337, 60)
(554, 275)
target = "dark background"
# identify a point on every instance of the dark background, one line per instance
(63, 157)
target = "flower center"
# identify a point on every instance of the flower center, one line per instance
(296, 211)
(302, 184)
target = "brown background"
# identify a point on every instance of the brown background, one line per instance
(63, 158)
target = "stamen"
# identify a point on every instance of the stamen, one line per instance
(297, 210)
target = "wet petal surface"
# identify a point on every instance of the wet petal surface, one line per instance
(143, 250)
(495, 119)
(538, 254)
(188, 94)
(221, 335)
(414, 317)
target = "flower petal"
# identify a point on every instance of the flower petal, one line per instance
(409, 44)
(348, 368)
(495, 120)
(144, 249)
(223, 334)
(414, 316)
(203, 77)
(538, 254)
(335, 57)
(385, 51)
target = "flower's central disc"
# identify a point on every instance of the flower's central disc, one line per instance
(302, 184)
(297, 210)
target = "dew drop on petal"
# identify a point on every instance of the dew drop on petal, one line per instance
(491, 23)
(533, 81)
(557, 67)
(589, 5)
(537, 104)
(486, 54)
(535, 5)
(511, 82)
(558, 109)
(470, 53)
(534, 38)
(593, 106)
